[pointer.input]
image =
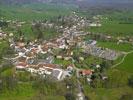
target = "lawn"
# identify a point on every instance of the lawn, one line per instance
(107, 94)
(119, 47)
(127, 65)
(23, 92)
(64, 63)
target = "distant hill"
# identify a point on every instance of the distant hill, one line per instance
(80, 3)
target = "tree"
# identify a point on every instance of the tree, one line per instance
(130, 81)
(37, 29)
(70, 96)
(8, 78)
(126, 96)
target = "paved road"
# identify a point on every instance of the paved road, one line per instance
(80, 95)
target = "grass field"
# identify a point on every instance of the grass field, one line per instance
(34, 11)
(117, 23)
(29, 34)
(114, 28)
(107, 94)
(127, 65)
(25, 91)
(3, 44)
(119, 47)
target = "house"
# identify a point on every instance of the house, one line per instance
(67, 58)
(22, 59)
(42, 61)
(31, 70)
(89, 80)
(91, 42)
(20, 44)
(57, 73)
(80, 96)
(95, 25)
(50, 59)
(31, 61)
(48, 66)
(29, 54)
(21, 65)
(81, 58)
(86, 72)
(98, 66)
(69, 71)
(59, 57)
(21, 54)
(70, 68)
(2, 35)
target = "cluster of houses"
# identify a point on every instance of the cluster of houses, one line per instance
(3, 35)
(90, 47)
(26, 58)
(27, 54)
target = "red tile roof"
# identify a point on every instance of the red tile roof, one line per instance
(21, 44)
(22, 64)
(22, 59)
(86, 72)
(44, 48)
(34, 50)
(48, 65)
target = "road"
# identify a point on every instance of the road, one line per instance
(80, 94)
(123, 59)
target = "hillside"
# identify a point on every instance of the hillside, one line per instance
(80, 3)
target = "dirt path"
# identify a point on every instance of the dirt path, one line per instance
(123, 59)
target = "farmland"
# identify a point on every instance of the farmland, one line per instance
(47, 45)
(119, 47)
(33, 12)
(116, 24)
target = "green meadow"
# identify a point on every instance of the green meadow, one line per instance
(114, 28)
(34, 11)
(127, 65)
(31, 12)
(126, 47)
(116, 23)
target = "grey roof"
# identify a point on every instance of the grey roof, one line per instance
(55, 73)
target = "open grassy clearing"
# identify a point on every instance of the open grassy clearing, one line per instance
(113, 28)
(117, 23)
(119, 47)
(30, 35)
(107, 94)
(3, 44)
(116, 87)
(33, 12)
(127, 65)
(25, 91)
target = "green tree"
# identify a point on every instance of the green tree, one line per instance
(130, 81)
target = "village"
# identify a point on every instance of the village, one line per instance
(27, 57)
(26, 54)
